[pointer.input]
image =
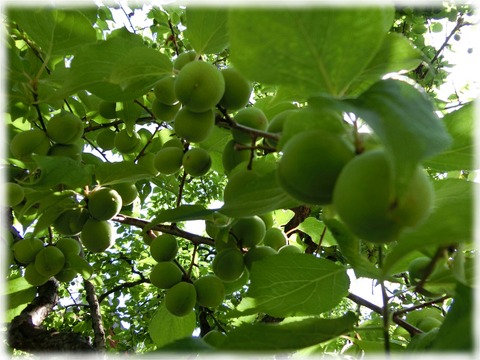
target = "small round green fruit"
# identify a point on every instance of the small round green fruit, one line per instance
(15, 194)
(25, 250)
(210, 291)
(49, 261)
(199, 86)
(72, 151)
(180, 299)
(250, 117)
(127, 191)
(126, 143)
(65, 128)
(104, 203)
(168, 160)
(164, 112)
(290, 249)
(194, 126)
(33, 277)
(106, 139)
(428, 324)
(164, 91)
(183, 59)
(228, 264)
(107, 109)
(71, 221)
(237, 90)
(257, 253)
(310, 165)
(68, 246)
(275, 238)
(164, 247)
(231, 157)
(197, 161)
(249, 231)
(26, 143)
(165, 274)
(97, 235)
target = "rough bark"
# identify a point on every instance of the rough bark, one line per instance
(26, 332)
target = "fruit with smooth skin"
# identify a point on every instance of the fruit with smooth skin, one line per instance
(228, 242)
(65, 128)
(365, 198)
(275, 238)
(197, 161)
(97, 235)
(310, 165)
(71, 221)
(250, 117)
(68, 246)
(237, 89)
(26, 143)
(290, 249)
(428, 324)
(104, 203)
(127, 191)
(231, 157)
(25, 250)
(164, 247)
(106, 139)
(125, 142)
(49, 261)
(249, 231)
(183, 59)
(72, 151)
(15, 194)
(267, 219)
(417, 269)
(199, 86)
(275, 125)
(164, 91)
(210, 291)
(164, 112)
(168, 160)
(180, 299)
(107, 109)
(257, 253)
(33, 277)
(194, 126)
(66, 275)
(165, 274)
(228, 264)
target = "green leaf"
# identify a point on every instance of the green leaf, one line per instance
(317, 50)
(396, 54)
(118, 69)
(207, 29)
(165, 328)
(296, 284)
(457, 330)
(118, 172)
(404, 120)
(288, 335)
(460, 156)
(81, 266)
(57, 32)
(17, 293)
(316, 230)
(55, 170)
(451, 221)
(15, 285)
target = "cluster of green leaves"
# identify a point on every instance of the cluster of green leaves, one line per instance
(322, 63)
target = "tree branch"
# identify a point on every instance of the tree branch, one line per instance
(97, 323)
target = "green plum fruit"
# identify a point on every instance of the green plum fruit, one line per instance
(164, 112)
(228, 264)
(290, 249)
(174, 142)
(194, 126)
(164, 247)
(210, 291)
(238, 181)
(66, 275)
(199, 86)
(197, 161)
(180, 299)
(127, 191)
(97, 235)
(71, 221)
(237, 89)
(29, 142)
(215, 224)
(310, 165)
(72, 151)
(25, 250)
(275, 125)
(106, 139)
(251, 117)
(366, 200)
(168, 160)
(104, 203)
(107, 109)
(68, 246)
(15, 194)
(183, 59)
(49, 261)
(165, 274)
(164, 91)
(428, 324)
(147, 161)
(33, 277)
(126, 143)
(225, 243)
(65, 128)
(249, 231)
(257, 253)
(417, 269)
(231, 157)
(267, 219)
(275, 238)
